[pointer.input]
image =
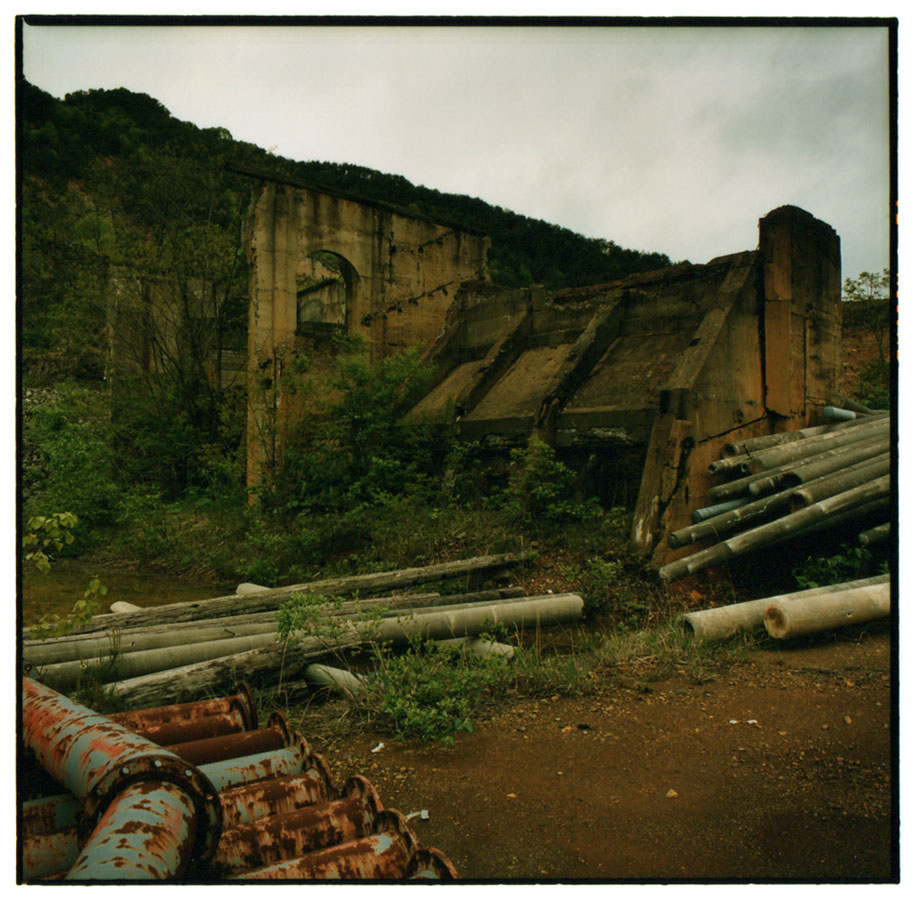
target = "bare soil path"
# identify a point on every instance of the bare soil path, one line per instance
(781, 768)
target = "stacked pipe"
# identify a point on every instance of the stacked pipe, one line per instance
(795, 614)
(783, 486)
(135, 810)
(171, 653)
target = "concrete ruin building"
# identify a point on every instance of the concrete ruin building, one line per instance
(643, 378)
(325, 263)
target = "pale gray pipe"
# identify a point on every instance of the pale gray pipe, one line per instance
(337, 680)
(122, 606)
(437, 623)
(724, 621)
(823, 612)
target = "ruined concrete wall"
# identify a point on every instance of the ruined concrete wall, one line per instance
(674, 362)
(770, 365)
(399, 277)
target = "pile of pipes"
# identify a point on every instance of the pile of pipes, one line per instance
(784, 486)
(197, 792)
(176, 652)
(797, 614)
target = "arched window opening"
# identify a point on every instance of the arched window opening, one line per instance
(325, 287)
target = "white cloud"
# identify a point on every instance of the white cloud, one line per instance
(665, 139)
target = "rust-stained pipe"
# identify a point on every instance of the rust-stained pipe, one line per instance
(258, 766)
(430, 864)
(49, 814)
(291, 835)
(383, 855)
(220, 725)
(97, 760)
(147, 833)
(233, 746)
(48, 854)
(247, 802)
(240, 703)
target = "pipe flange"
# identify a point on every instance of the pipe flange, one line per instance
(278, 721)
(148, 767)
(245, 697)
(430, 864)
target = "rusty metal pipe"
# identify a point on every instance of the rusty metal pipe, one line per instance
(383, 855)
(170, 734)
(232, 746)
(247, 802)
(48, 854)
(258, 766)
(49, 814)
(292, 834)
(430, 865)
(97, 759)
(241, 702)
(147, 833)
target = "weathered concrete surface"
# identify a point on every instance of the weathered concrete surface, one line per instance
(676, 361)
(382, 274)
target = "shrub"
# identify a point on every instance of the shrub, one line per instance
(848, 564)
(356, 448)
(432, 691)
(541, 488)
(874, 384)
(67, 459)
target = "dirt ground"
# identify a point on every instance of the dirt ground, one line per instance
(780, 768)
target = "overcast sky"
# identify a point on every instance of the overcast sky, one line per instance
(659, 138)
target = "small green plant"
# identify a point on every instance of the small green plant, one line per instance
(53, 533)
(45, 534)
(309, 615)
(847, 564)
(541, 488)
(874, 384)
(597, 581)
(432, 691)
(52, 625)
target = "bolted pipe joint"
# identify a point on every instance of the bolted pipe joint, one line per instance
(98, 760)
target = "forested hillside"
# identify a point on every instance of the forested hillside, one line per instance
(112, 176)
